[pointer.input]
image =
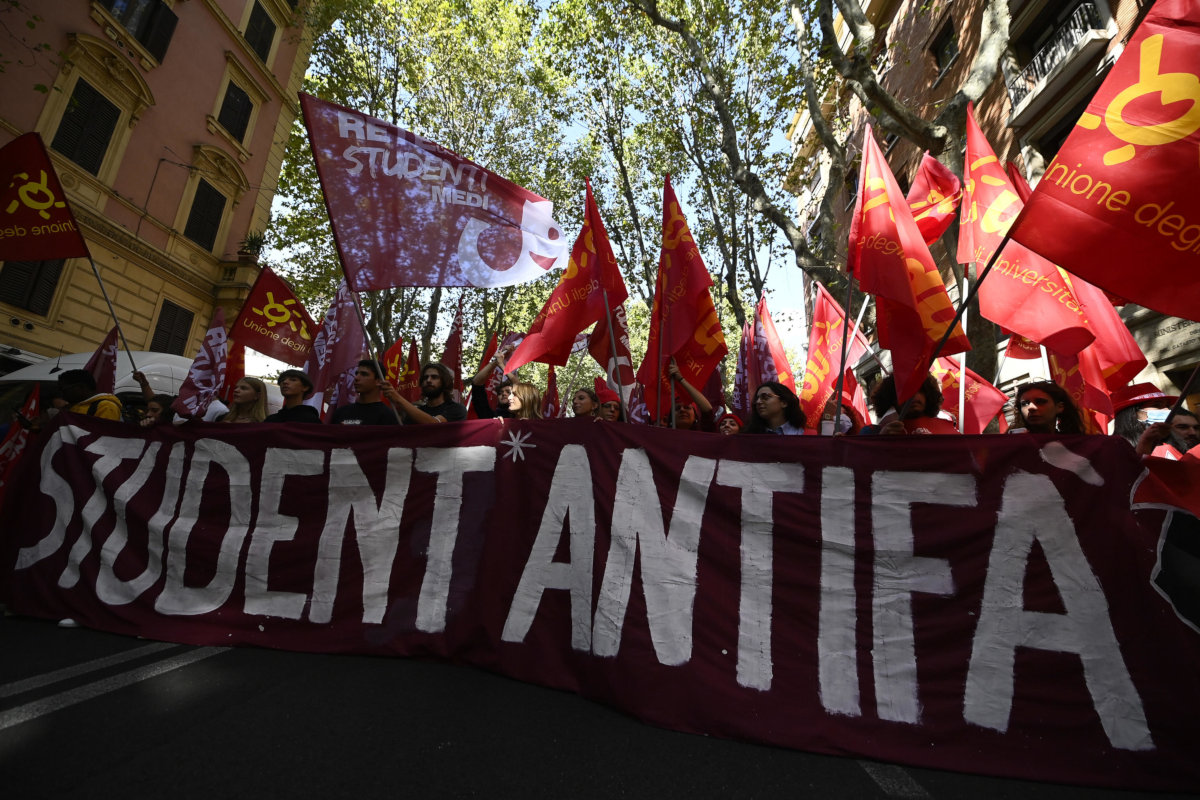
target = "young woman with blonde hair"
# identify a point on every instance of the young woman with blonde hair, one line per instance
(249, 402)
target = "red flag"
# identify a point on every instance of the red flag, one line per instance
(207, 375)
(1116, 354)
(764, 327)
(1024, 293)
(235, 369)
(577, 301)
(1080, 376)
(393, 362)
(933, 198)
(984, 400)
(18, 435)
(488, 352)
(1171, 482)
(408, 212)
(824, 355)
(452, 353)
(337, 349)
(1021, 348)
(37, 222)
(1116, 205)
(274, 322)
(684, 315)
(891, 260)
(103, 363)
(551, 406)
(618, 367)
(408, 382)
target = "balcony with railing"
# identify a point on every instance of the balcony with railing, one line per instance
(1081, 37)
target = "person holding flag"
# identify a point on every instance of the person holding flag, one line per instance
(78, 387)
(438, 405)
(479, 387)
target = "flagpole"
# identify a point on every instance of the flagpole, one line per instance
(841, 379)
(962, 307)
(862, 311)
(113, 312)
(362, 321)
(571, 381)
(1183, 393)
(1045, 362)
(962, 374)
(612, 349)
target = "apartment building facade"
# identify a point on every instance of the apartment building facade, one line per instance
(166, 121)
(1058, 53)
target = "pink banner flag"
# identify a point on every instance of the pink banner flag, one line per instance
(408, 212)
(336, 351)
(207, 375)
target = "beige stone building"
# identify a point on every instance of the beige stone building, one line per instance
(1059, 52)
(166, 121)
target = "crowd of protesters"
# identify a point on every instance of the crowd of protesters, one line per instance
(1039, 407)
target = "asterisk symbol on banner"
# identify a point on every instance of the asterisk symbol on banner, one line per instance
(517, 442)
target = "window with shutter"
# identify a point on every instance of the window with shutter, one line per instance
(260, 31)
(235, 111)
(204, 220)
(152, 22)
(86, 127)
(30, 284)
(171, 332)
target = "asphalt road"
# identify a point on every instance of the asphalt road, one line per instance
(85, 714)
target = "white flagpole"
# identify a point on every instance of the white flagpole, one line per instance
(962, 373)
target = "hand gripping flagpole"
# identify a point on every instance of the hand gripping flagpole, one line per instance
(112, 312)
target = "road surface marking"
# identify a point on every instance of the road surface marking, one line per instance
(39, 708)
(894, 781)
(38, 681)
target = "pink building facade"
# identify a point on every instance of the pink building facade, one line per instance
(166, 121)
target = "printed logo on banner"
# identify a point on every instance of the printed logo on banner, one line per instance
(279, 313)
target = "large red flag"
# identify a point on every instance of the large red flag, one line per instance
(824, 355)
(984, 400)
(103, 363)
(683, 316)
(618, 366)
(408, 212)
(452, 353)
(274, 322)
(579, 298)
(1021, 348)
(37, 222)
(337, 349)
(207, 374)
(1024, 292)
(889, 257)
(1116, 205)
(933, 198)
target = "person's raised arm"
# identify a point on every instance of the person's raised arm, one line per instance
(699, 399)
(412, 411)
(143, 382)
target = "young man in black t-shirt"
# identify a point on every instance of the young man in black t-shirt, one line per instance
(369, 408)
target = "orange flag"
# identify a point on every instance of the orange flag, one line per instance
(889, 257)
(1024, 292)
(683, 315)
(577, 301)
(934, 198)
(1116, 205)
(984, 400)
(824, 355)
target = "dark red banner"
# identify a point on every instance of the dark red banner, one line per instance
(981, 603)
